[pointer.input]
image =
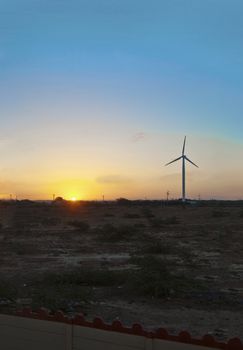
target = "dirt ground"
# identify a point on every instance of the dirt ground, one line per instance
(97, 258)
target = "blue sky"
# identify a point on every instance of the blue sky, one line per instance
(80, 79)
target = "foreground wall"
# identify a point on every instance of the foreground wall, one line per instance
(42, 331)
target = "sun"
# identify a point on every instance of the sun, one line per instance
(73, 199)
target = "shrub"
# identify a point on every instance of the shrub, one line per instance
(109, 215)
(50, 221)
(172, 220)
(147, 213)
(123, 201)
(59, 297)
(81, 226)
(220, 214)
(7, 290)
(156, 278)
(156, 247)
(131, 216)
(23, 248)
(152, 278)
(156, 223)
(84, 277)
(111, 233)
(159, 222)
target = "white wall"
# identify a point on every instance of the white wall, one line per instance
(22, 333)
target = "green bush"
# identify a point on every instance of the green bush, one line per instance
(220, 214)
(131, 216)
(172, 220)
(7, 290)
(83, 277)
(147, 213)
(59, 297)
(159, 222)
(23, 248)
(81, 226)
(156, 247)
(157, 278)
(111, 233)
(152, 278)
(51, 221)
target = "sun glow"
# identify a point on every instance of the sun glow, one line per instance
(73, 199)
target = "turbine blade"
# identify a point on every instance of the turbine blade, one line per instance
(191, 162)
(175, 160)
(184, 144)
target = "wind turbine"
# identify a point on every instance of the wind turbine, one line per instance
(184, 158)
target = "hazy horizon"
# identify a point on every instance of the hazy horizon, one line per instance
(96, 96)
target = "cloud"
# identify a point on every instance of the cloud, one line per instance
(113, 179)
(139, 136)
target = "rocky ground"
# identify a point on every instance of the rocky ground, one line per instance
(161, 265)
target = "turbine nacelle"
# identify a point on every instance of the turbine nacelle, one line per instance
(182, 157)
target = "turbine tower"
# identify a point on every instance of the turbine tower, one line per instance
(184, 158)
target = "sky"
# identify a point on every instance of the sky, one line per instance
(97, 95)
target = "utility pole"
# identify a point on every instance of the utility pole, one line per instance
(167, 195)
